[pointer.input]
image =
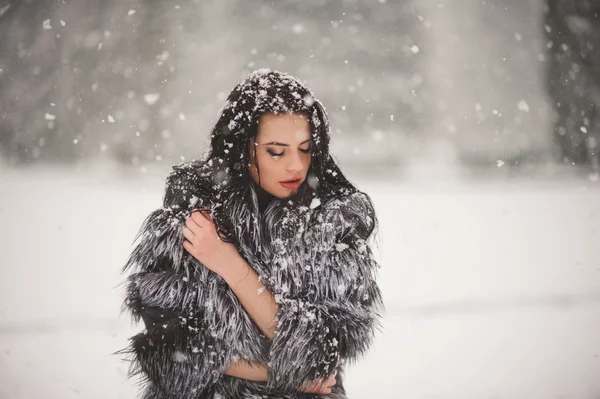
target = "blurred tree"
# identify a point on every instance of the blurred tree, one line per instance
(573, 77)
(147, 64)
(142, 81)
(21, 110)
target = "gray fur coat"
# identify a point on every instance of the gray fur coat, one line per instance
(314, 259)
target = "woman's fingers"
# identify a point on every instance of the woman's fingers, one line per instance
(198, 218)
(189, 234)
(311, 387)
(320, 386)
(328, 383)
(207, 216)
(192, 224)
(188, 246)
(332, 377)
(325, 389)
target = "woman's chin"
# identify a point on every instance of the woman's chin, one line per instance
(285, 194)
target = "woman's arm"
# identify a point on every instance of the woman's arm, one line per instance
(248, 371)
(261, 306)
(203, 242)
(260, 372)
(335, 316)
(331, 319)
(224, 259)
(252, 294)
(179, 354)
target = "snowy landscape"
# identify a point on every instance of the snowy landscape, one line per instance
(473, 125)
(492, 288)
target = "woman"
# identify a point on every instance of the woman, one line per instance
(255, 279)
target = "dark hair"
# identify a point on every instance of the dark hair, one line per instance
(266, 91)
(269, 91)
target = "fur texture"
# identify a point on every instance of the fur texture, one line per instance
(313, 257)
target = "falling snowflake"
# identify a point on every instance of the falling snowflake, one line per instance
(340, 247)
(377, 135)
(298, 28)
(523, 106)
(315, 203)
(151, 98)
(164, 56)
(179, 356)
(309, 100)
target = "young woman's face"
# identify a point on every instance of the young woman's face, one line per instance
(283, 152)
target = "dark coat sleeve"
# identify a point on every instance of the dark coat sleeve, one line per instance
(194, 324)
(336, 312)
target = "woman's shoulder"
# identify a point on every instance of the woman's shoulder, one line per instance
(350, 209)
(348, 201)
(189, 184)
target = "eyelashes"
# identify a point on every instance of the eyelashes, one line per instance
(277, 155)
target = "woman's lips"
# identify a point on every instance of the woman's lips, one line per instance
(291, 184)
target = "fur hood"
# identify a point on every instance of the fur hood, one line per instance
(315, 259)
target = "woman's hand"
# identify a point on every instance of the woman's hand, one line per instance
(203, 242)
(321, 386)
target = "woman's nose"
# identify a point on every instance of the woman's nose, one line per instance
(295, 163)
(294, 167)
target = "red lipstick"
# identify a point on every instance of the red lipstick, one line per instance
(291, 183)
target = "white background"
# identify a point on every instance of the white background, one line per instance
(492, 288)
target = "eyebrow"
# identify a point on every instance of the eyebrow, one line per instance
(283, 144)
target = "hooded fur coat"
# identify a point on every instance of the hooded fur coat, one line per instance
(315, 260)
(310, 251)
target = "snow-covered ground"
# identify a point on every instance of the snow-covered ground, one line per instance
(492, 288)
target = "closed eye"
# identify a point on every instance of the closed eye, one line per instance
(279, 154)
(275, 154)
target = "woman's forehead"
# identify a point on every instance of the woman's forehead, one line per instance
(284, 127)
